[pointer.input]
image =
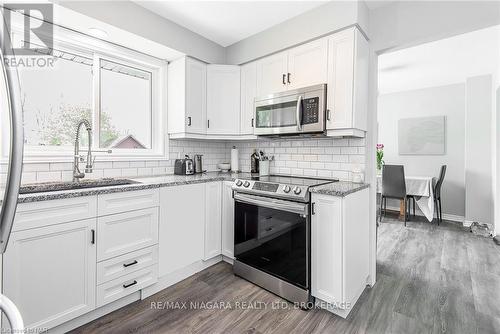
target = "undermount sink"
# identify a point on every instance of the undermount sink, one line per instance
(84, 184)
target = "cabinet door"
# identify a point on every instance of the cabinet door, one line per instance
(182, 223)
(271, 74)
(340, 80)
(227, 219)
(248, 94)
(223, 99)
(126, 232)
(326, 248)
(307, 64)
(50, 272)
(196, 96)
(213, 219)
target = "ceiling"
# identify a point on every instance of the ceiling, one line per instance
(227, 22)
(440, 63)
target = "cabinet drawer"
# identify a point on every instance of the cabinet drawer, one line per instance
(126, 264)
(38, 214)
(126, 232)
(125, 285)
(127, 201)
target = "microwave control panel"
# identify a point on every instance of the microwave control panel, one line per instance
(310, 110)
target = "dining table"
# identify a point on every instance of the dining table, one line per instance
(421, 187)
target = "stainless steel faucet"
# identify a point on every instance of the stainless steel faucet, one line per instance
(77, 174)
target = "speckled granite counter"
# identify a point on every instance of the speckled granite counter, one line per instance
(144, 183)
(341, 188)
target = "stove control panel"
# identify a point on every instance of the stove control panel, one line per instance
(271, 189)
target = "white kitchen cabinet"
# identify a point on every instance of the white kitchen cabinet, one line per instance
(187, 97)
(227, 219)
(347, 84)
(307, 64)
(182, 226)
(50, 272)
(248, 95)
(126, 232)
(223, 99)
(213, 219)
(298, 67)
(271, 74)
(339, 248)
(127, 201)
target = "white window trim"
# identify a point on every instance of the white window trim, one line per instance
(92, 48)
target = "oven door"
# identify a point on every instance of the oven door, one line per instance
(273, 236)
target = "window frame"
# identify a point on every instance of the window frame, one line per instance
(89, 47)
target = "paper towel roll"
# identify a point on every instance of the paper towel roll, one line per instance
(234, 160)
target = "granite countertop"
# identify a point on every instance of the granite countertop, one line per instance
(340, 188)
(142, 183)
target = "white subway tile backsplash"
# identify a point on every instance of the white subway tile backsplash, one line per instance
(315, 157)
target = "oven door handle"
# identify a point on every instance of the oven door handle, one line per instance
(299, 113)
(277, 204)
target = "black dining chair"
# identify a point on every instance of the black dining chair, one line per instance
(437, 194)
(393, 187)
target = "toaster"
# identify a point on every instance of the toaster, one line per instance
(184, 166)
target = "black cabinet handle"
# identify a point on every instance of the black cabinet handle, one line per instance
(208, 123)
(189, 120)
(130, 264)
(130, 284)
(92, 236)
(288, 78)
(284, 77)
(328, 114)
(313, 208)
(252, 122)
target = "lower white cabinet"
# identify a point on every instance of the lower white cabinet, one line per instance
(125, 285)
(213, 219)
(227, 219)
(50, 272)
(339, 248)
(125, 232)
(182, 223)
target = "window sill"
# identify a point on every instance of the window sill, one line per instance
(58, 157)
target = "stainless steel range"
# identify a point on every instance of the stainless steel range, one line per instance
(272, 233)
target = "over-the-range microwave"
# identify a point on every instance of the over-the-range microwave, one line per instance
(292, 112)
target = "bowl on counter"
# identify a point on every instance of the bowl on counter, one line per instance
(224, 166)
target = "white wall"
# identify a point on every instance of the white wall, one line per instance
(317, 22)
(446, 101)
(138, 20)
(403, 24)
(479, 206)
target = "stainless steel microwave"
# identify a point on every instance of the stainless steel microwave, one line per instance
(291, 112)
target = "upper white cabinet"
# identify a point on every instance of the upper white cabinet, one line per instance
(213, 219)
(187, 97)
(271, 74)
(339, 249)
(302, 66)
(50, 272)
(223, 99)
(248, 94)
(347, 84)
(307, 64)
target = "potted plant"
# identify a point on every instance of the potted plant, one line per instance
(380, 157)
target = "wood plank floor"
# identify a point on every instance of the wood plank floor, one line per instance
(430, 280)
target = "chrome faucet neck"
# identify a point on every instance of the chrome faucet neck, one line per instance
(77, 174)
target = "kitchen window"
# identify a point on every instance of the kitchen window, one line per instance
(118, 90)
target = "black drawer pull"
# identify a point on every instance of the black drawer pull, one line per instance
(130, 264)
(130, 284)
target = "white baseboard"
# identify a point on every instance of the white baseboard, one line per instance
(446, 216)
